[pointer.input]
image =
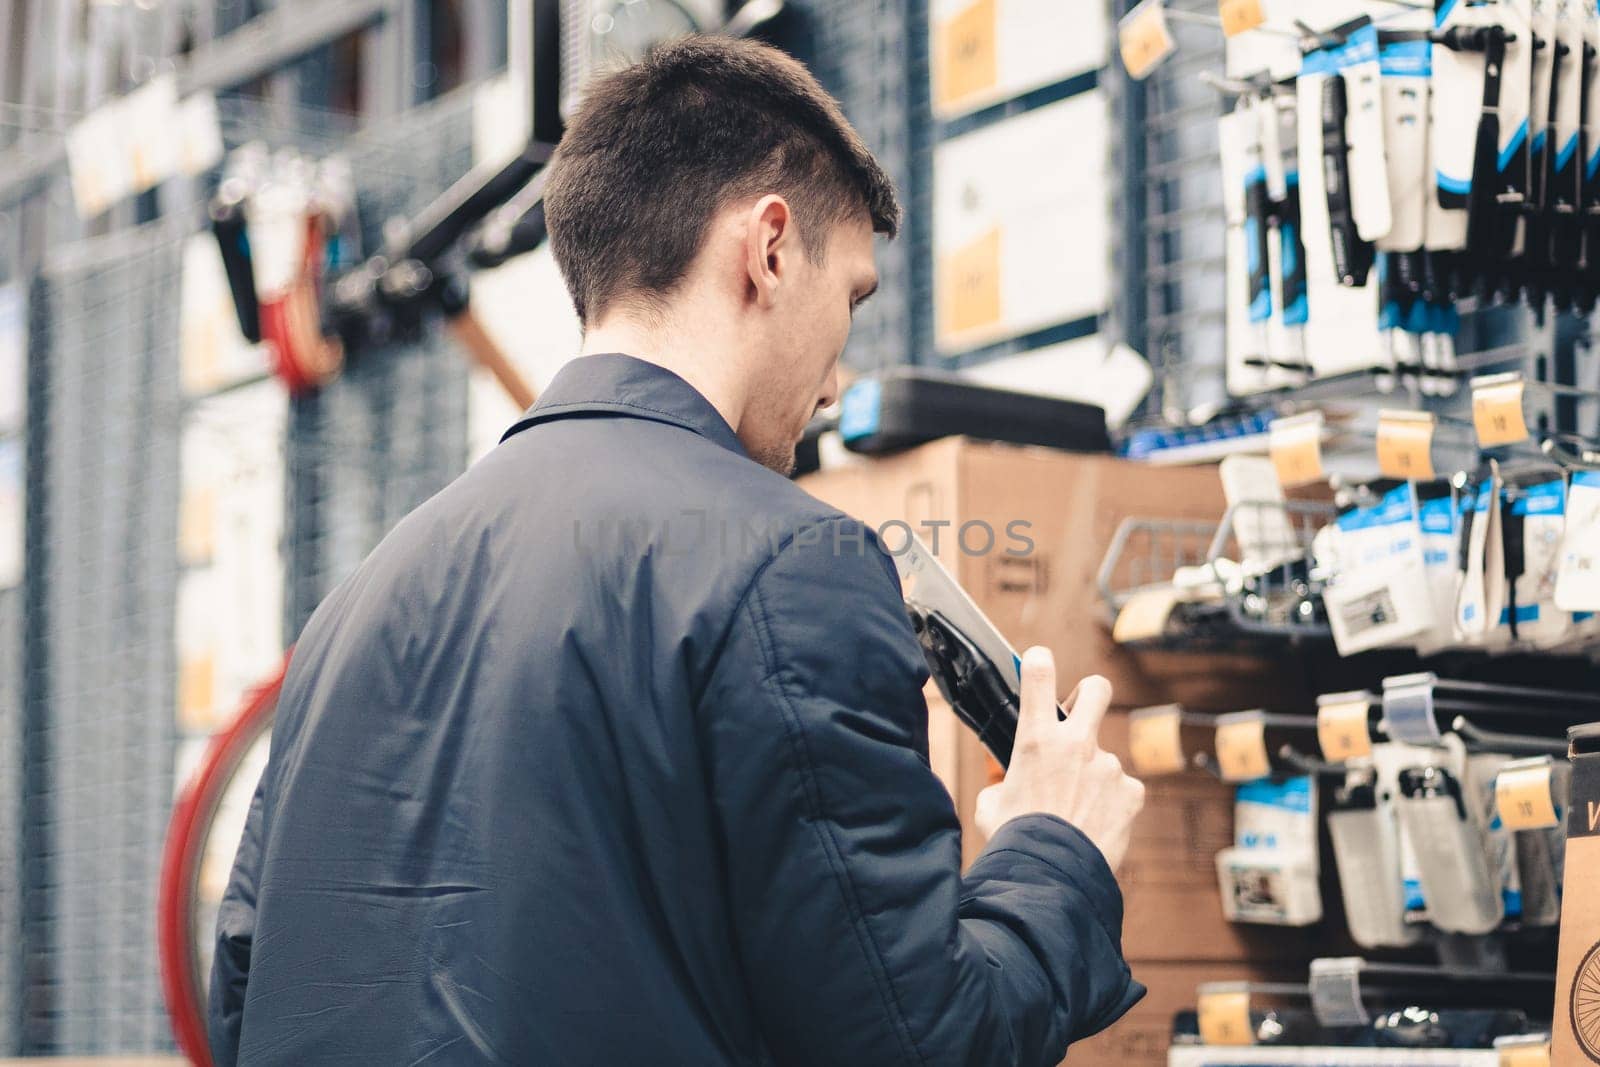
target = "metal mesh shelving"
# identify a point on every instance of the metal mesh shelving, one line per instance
(98, 731)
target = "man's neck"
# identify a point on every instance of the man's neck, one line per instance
(704, 365)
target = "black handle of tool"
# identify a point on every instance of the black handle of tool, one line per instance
(1292, 255)
(1512, 528)
(1482, 205)
(228, 227)
(1352, 257)
(1257, 224)
(970, 681)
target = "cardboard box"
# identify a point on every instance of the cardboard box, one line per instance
(1073, 504)
(1172, 903)
(1141, 1038)
(1067, 508)
(1576, 1038)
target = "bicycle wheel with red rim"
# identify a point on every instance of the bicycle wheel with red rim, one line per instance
(202, 837)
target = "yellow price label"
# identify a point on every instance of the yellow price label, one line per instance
(1144, 39)
(1240, 16)
(1145, 615)
(965, 58)
(970, 289)
(197, 524)
(1295, 445)
(1342, 730)
(197, 693)
(1497, 411)
(1522, 795)
(1405, 444)
(1528, 1054)
(1155, 740)
(1225, 1018)
(1241, 745)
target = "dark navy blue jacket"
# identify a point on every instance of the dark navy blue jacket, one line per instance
(614, 752)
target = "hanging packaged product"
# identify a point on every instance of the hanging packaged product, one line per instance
(1544, 101)
(1478, 793)
(1578, 572)
(1463, 896)
(1286, 346)
(1247, 258)
(1405, 58)
(1437, 512)
(1531, 799)
(1347, 91)
(1456, 114)
(1565, 194)
(1270, 875)
(1341, 328)
(1380, 597)
(1534, 519)
(1508, 190)
(1590, 134)
(1364, 130)
(1576, 1040)
(1482, 595)
(1389, 759)
(1366, 850)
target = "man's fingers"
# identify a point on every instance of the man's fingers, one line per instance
(1038, 711)
(1089, 708)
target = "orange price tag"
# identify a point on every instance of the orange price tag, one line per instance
(1497, 410)
(1522, 795)
(965, 62)
(970, 289)
(1342, 729)
(1225, 1017)
(1155, 740)
(197, 693)
(1145, 615)
(1295, 445)
(197, 524)
(1241, 744)
(1535, 1054)
(1405, 444)
(1144, 39)
(1239, 16)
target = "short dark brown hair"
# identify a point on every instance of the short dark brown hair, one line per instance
(656, 148)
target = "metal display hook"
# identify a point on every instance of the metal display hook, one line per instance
(1479, 739)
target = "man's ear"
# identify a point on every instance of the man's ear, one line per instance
(769, 239)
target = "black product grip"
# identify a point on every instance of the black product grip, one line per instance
(1292, 257)
(969, 681)
(1257, 245)
(1352, 257)
(1482, 208)
(228, 227)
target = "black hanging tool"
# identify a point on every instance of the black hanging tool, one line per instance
(1352, 257)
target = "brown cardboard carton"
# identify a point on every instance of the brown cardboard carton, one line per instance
(1073, 505)
(1025, 531)
(1576, 1034)
(1141, 1038)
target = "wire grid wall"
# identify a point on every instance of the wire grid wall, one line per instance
(392, 430)
(1178, 203)
(10, 818)
(103, 442)
(873, 57)
(104, 432)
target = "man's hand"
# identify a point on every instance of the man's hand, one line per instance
(1058, 768)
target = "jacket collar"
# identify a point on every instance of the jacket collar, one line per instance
(617, 384)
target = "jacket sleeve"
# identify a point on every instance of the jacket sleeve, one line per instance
(236, 924)
(861, 942)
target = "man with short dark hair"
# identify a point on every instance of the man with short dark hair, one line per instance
(615, 751)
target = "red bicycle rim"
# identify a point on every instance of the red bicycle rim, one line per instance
(181, 983)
